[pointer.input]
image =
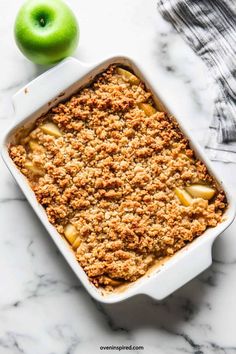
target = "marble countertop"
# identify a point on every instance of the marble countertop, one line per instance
(43, 308)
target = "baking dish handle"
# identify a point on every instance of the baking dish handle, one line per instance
(50, 84)
(178, 272)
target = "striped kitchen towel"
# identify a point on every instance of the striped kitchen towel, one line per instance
(209, 27)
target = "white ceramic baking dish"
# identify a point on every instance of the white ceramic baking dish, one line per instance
(46, 91)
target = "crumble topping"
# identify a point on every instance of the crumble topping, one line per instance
(109, 169)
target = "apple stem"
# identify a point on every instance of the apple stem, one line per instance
(42, 22)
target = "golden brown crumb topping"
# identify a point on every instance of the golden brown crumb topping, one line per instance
(111, 172)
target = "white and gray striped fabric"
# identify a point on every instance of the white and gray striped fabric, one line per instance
(209, 26)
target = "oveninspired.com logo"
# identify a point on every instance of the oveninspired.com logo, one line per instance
(121, 347)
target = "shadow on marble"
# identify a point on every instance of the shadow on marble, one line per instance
(168, 314)
(40, 69)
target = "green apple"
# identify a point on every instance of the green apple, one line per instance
(46, 31)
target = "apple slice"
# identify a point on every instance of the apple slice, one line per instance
(34, 146)
(51, 129)
(183, 196)
(201, 191)
(148, 109)
(77, 243)
(33, 168)
(128, 76)
(71, 233)
(112, 282)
